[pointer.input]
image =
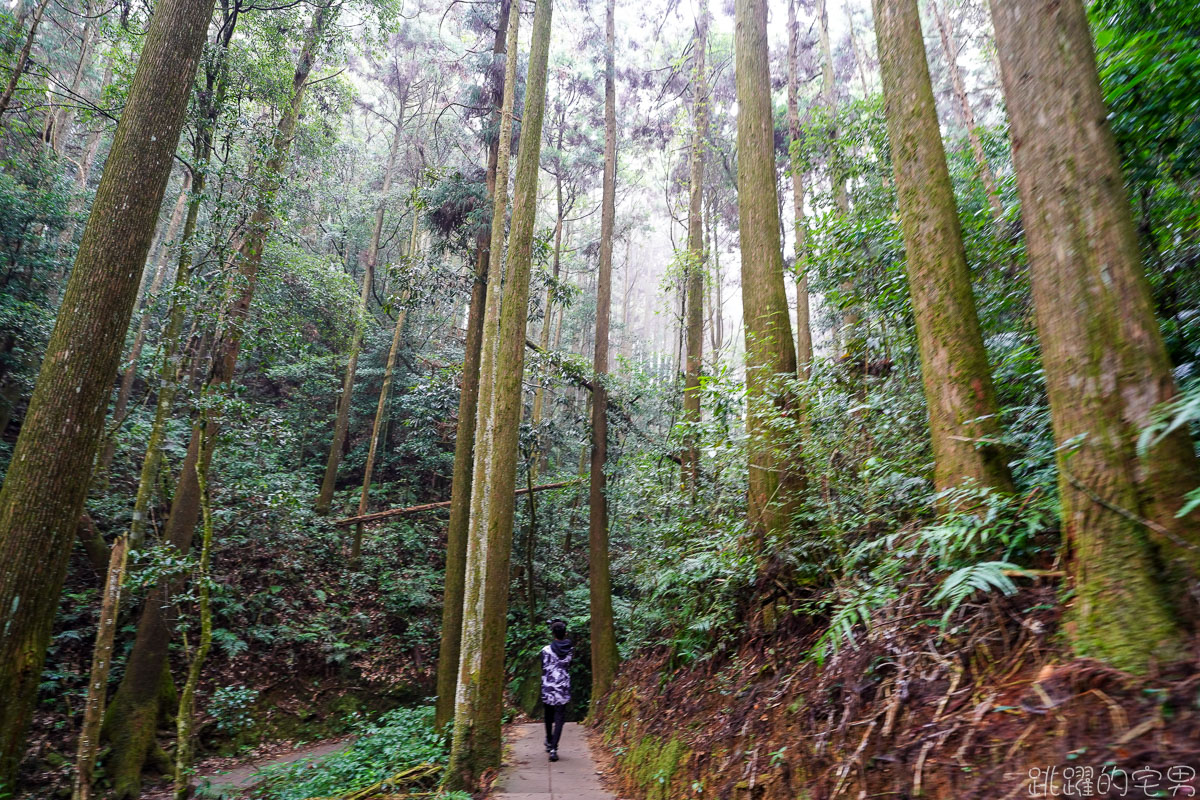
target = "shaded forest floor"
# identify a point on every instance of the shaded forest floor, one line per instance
(907, 710)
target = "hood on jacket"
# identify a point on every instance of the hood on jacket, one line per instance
(562, 647)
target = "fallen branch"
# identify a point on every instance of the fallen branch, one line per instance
(379, 516)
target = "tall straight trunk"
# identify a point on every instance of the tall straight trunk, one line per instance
(770, 352)
(381, 408)
(93, 711)
(479, 702)
(18, 69)
(718, 335)
(963, 413)
(845, 333)
(603, 635)
(966, 113)
(139, 339)
(468, 400)
(61, 117)
(1105, 363)
(342, 424)
(804, 348)
(87, 159)
(51, 465)
(131, 720)
(694, 312)
(539, 396)
(171, 363)
(184, 722)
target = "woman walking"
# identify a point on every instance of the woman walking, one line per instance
(556, 684)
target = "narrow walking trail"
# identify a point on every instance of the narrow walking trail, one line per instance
(529, 775)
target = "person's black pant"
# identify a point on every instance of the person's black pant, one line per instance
(555, 717)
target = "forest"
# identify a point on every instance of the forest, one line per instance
(831, 372)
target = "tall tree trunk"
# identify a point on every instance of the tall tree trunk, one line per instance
(139, 338)
(845, 335)
(133, 714)
(1105, 363)
(468, 400)
(171, 364)
(694, 313)
(479, 703)
(51, 465)
(770, 352)
(18, 69)
(61, 116)
(950, 50)
(804, 348)
(539, 396)
(963, 413)
(342, 424)
(603, 635)
(93, 712)
(184, 746)
(381, 408)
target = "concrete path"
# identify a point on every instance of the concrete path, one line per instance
(529, 775)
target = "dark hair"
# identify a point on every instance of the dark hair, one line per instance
(558, 628)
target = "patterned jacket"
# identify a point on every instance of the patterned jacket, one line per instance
(556, 681)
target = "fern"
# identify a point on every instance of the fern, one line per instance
(982, 577)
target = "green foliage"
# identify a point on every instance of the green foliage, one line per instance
(231, 708)
(396, 740)
(973, 545)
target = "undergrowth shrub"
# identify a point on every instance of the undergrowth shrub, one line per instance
(397, 740)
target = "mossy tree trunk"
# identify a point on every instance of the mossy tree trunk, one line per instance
(963, 412)
(97, 694)
(171, 362)
(51, 466)
(770, 352)
(184, 717)
(1105, 363)
(804, 347)
(694, 315)
(468, 401)
(603, 635)
(479, 703)
(125, 391)
(132, 718)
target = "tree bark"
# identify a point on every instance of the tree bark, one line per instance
(93, 713)
(51, 465)
(479, 703)
(342, 424)
(1105, 363)
(132, 716)
(770, 352)
(963, 413)
(468, 400)
(603, 634)
(381, 409)
(23, 58)
(950, 50)
(804, 348)
(184, 746)
(694, 312)
(139, 338)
